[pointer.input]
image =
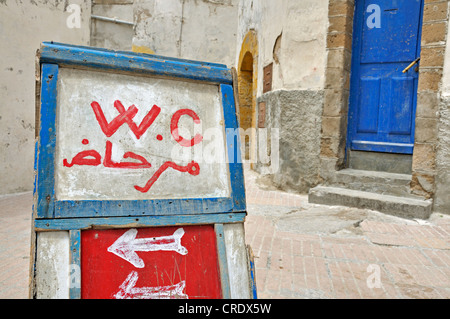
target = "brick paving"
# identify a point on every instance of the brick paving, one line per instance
(375, 257)
(291, 265)
(395, 259)
(15, 234)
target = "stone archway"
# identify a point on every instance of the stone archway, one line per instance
(247, 79)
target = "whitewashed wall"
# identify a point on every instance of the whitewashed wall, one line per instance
(199, 30)
(23, 26)
(302, 53)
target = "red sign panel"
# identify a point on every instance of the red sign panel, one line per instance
(150, 263)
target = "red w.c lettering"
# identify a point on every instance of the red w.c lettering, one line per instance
(146, 122)
(125, 116)
(110, 128)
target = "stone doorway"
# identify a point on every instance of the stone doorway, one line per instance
(247, 84)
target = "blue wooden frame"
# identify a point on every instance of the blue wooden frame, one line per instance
(70, 224)
(51, 214)
(223, 263)
(75, 264)
(374, 146)
(136, 63)
(52, 57)
(45, 157)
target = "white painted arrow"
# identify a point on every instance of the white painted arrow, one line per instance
(127, 245)
(127, 290)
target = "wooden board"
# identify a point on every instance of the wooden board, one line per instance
(123, 134)
(165, 262)
(53, 263)
(163, 149)
(139, 182)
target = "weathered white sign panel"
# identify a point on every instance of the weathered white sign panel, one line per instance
(137, 168)
(122, 137)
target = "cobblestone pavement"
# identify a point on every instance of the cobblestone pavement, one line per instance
(301, 250)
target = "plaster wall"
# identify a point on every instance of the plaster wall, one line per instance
(297, 116)
(200, 30)
(442, 195)
(23, 26)
(300, 27)
(110, 35)
(291, 35)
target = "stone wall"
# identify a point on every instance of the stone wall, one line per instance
(297, 116)
(428, 163)
(337, 87)
(442, 57)
(434, 37)
(442, 197)
(291, 36)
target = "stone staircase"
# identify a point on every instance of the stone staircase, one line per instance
(382, 191)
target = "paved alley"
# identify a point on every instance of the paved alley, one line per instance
(314, 251)
(301, 250)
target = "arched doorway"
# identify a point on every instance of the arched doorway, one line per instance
(246, 98)
(247, 78)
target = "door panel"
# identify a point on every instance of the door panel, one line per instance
(400, 119)
(369, 104)
(382, 97)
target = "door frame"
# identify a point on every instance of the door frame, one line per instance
(333, 155)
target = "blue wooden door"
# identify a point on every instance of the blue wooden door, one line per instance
(386, 39)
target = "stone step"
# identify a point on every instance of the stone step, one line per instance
(393, 205)
(377, 182)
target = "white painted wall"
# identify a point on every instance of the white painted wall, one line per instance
(303, 26)
(199, 30)
(23, 26)
(110, 35)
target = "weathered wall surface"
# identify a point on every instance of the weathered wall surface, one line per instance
(52, 265)
(291, 35)
(301, 26)
(297, 115)
(23, 26)
(79, 131)
(446, 56)
(110, 35)
(442, 195)
(199, 30)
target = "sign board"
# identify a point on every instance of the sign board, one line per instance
(164, 262)
(137, 164)
(103, 154)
